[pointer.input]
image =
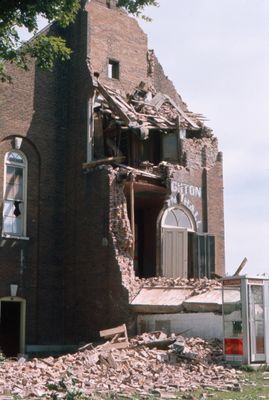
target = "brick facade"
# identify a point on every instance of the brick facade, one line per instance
(76, 267)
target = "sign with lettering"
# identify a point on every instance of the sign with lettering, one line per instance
(180, 193)
(186, 189)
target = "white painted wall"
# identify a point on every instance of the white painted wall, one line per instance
(204, 325)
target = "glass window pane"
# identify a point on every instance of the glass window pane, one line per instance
(17, 192)
(15, 157)
(183, 219)
(7, 224)
(9, 174)
(232, 307)
(170, 219)
(14, 183)
(258, 309)
(257, 292)
(13, 207)
(177, 217)
(170, 151)
(17, 225)
(8, 208)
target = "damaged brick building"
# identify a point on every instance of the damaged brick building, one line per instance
(106, 177)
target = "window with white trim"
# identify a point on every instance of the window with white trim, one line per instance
(14, 203)
(177, 217)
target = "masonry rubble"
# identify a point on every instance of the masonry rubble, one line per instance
(180, 365)
(197, 286)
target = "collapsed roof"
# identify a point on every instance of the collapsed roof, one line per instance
(146, 110)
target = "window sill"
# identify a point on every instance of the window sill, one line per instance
(6, 236)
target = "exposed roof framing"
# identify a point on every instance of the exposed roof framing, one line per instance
(145, 111)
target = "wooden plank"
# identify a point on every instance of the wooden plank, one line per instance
(114, 105)
(119, 345)
(241, 266)
(113, 331)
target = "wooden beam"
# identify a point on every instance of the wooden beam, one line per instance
(113, 104)
(118, 335)
(113, 331)
(241, 266)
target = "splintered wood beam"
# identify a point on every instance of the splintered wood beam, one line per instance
(241, 266)
(113, 104)
(113, 331)
(118, 335)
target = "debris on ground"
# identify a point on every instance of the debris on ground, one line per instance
(179, 364)
(198, 286)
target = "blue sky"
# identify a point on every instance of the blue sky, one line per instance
(217, 55)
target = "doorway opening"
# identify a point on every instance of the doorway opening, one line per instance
(148, 202)
(12, 326)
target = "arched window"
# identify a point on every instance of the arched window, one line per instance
(14, 204)
(177, 217)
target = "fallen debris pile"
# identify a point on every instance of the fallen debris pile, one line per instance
(179, 365)
(198, 286)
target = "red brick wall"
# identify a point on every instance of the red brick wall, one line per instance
(29, 109)
(77, 270)
(215, 211)
(204, 169)
(118, 37)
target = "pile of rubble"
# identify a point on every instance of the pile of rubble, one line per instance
(198, 286)
(150, 363)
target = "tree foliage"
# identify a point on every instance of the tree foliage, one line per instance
(46, 49)
(136, 6)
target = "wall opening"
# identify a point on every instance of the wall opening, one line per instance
(12, 326)
(113, 69)
(148, 202)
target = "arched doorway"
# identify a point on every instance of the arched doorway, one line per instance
(176, 223)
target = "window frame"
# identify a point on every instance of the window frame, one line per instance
(113, 69)
(24, 168)
(187, 214)
(169, 155)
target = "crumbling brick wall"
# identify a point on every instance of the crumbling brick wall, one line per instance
(79, 268)
(199, 153)
(161, 82)
(202, 168)
(120, 231)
